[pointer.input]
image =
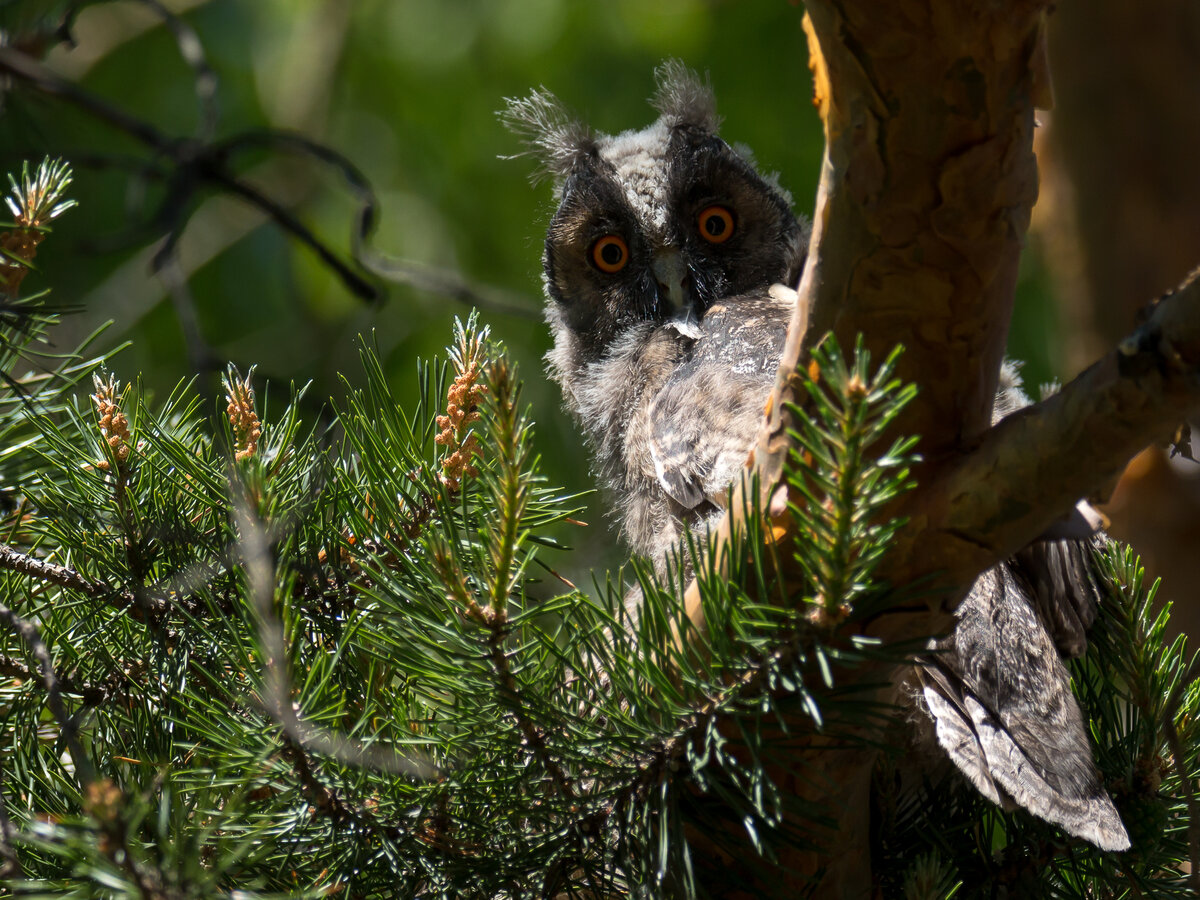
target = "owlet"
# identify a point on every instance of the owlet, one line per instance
(669, 269)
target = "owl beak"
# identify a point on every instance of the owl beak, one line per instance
(669, 270)
(671, 275)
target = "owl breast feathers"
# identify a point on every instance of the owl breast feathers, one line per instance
(669, 267)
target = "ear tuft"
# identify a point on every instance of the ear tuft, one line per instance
(684, 98)
(551, 136)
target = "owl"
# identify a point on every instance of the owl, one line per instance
(669, 270)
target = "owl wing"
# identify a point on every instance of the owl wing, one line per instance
(704, 420)
(1001, 696)
(702, 426)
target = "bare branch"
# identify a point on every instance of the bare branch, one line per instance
(52, 573)
(196, 163)
(1034, 465)
(49, 572)
(448, 283)
(199, 161)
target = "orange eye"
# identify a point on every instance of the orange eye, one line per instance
(610, 253)
(716, 224)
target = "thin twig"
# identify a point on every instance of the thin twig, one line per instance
(202, 163)
(45, 80)
(198, 161)
(289, 223)
(447, 283)
(52, 573)
(496, 623)
(329, 802)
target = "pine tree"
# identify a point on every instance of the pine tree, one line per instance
(244, 655)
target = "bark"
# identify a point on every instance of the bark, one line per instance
(994, 499)
(925, 197)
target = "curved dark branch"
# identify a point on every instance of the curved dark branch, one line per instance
(52, 573)
(196, 163)
(192, 163)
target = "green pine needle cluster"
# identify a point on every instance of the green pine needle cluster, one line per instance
(279, 659)
(844, 491)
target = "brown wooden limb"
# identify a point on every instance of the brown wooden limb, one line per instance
(1034, 466)
(925, 195)
(52, 573)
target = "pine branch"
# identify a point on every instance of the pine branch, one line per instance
(1034, 465)
(277, 680)
(329, 802)
(153, 604)
(495, 622)
(91, 693)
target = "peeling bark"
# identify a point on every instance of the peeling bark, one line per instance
(925, 197)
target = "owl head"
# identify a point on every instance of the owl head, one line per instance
(653, 226)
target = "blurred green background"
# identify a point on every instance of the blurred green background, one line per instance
(407, 90)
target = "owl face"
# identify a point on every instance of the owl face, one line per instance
(657, 226)
(659, 263)
(653, 226)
